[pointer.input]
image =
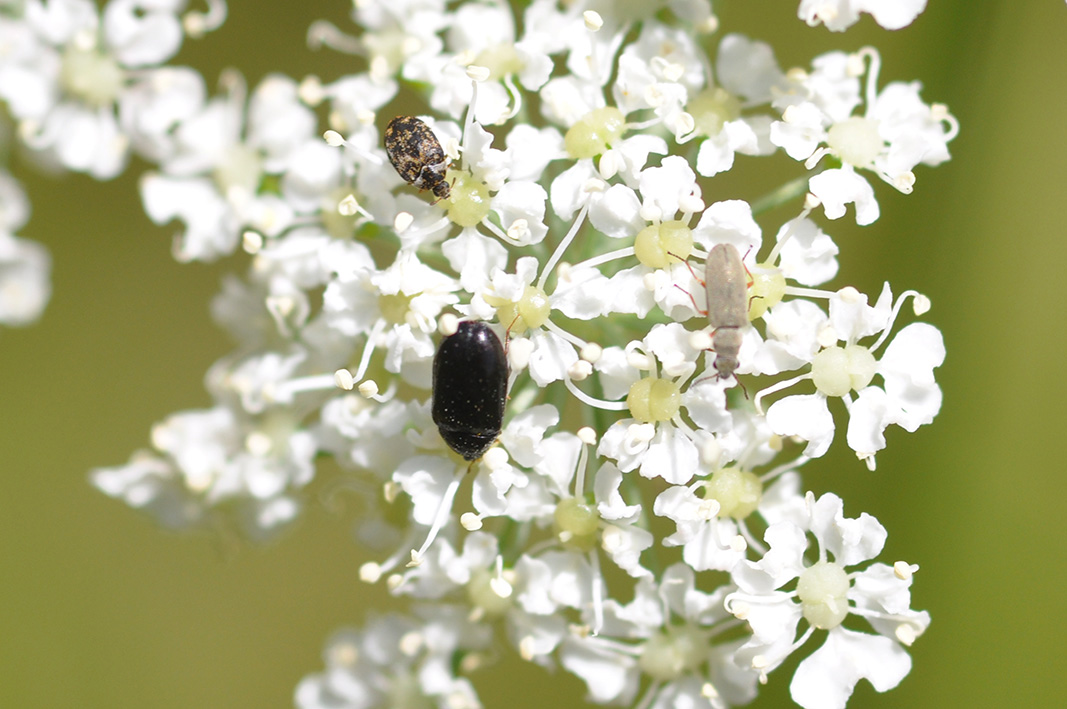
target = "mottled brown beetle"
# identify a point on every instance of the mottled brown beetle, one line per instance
(417, 155)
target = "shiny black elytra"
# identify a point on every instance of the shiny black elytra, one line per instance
(470, 387)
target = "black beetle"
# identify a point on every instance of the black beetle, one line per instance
(470, 387)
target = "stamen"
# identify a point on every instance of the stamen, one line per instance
(892, 318)
(772, 257)
(605, 258)
(579, 475)
(799, 292)
(444, 510)
(251, 242)
(774, 473)
(500, 233)
(283, 392)
(641, 125)
(596, 403)
(904, 571)
(779, 386)
(323, 33)
(597, 591)
(516, 99)
(818, 155)
(344, 379)
(372, 572)
(468, 123)
(197, 24)
(562, 247)
(573, 339)
(448, 324)
(750, 539)
(874, 67)
(368, 349)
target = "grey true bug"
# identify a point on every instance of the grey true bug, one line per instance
(470, 388)
(417, 155)
(726, 283)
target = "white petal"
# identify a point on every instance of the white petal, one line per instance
(624, 545)
(627, 293)
(868, 417)
(474, 257)
(807, 416)
(519, 200)
(582, 294)
(671, 455)
(747, 68)
(25, 281)
(610, 503)
(825, 679)
(837, 187)
(523, 434)
(425, 478)
(809, 256)
(892, 14)
(849, 540)
(141, 36)
(617, 213)
(567, 193)
(729, 222)
(609, 676)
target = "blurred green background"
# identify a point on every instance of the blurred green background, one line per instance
(99, 608)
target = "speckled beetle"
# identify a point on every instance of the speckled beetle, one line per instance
(417, 155)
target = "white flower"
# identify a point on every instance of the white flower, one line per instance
(396, 308)
(574, 221)
(84, 85)
(655, 440)
(398, 659)
(910, 397)
(25, 266)
(711, 535)
(670, 629)
(749, 76)
(839, 15)
(211, 179)
(210, 458)
(825, 596)
(896, 133)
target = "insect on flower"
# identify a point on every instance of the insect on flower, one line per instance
(417, 155)
(470, 388)
(727, 290)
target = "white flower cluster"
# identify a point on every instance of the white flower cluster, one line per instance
(631, 464)
(25, 266)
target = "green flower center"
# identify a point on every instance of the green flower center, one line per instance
(838, 370)
(660, 245)
(823, 590)
(469, 202)
(712, 108)
(595, 132)
(856, 141)
(652, 399)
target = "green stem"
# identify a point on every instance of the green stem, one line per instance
(789, 191)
